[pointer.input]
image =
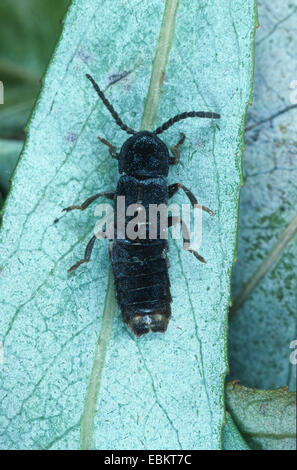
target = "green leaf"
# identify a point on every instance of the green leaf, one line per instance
(232, 439)
(266, 418)
(74, 376)
(264, 323)
(36, 26)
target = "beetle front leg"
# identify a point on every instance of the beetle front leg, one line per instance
(111, 148)
(173, 188)
(175, 150)
(173, 220)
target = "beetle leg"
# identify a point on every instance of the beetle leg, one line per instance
(175, 150)
(173, 220)
(173, 188)
(89, 201)
(87, 256)
(112, 148)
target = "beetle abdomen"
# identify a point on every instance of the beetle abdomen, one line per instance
(142, 284)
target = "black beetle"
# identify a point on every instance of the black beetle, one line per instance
(140, 266)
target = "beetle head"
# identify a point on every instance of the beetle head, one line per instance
(144, 155)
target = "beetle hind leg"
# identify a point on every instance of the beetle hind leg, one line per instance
(173, 220)
(173, 188)
(86, 259)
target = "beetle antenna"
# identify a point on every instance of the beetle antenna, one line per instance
(179, 117)
(110, 107)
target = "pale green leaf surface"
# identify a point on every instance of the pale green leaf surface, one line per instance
(159, 391)
(263, 328)
(266, 418)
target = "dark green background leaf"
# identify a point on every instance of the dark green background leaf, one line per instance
(9, 154)
(27, 38)
(262, 330)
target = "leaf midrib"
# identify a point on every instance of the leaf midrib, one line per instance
(148, 119)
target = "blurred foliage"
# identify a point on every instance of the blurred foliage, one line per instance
(9, 153)
(27, 40)
(263, 327)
